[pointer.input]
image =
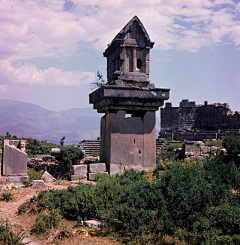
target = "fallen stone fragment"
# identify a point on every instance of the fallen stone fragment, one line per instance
(47, 177)
(38, 184)
(93, 224)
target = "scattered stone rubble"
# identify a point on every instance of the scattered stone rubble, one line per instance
(197, 150)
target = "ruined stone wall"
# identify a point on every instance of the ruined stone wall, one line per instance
(207, 121)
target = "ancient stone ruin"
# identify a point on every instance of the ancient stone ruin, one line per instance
(198, 122)
(129, 101)
(13, 161)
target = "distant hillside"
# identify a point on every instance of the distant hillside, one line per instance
(29, 120)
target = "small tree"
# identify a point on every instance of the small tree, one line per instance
(62, 140)
(8, 135)
(69, 154)
(232, 144)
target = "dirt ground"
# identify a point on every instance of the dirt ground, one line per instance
(23, 223)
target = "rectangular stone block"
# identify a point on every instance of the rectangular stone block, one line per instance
(14, 160)
(15, 179)
(97, 167)
(91, 176)
(78, 169)
(78, 176)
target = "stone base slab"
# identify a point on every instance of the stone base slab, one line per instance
(78, 169)
(15, 179)
(78, 176)
(97, 167)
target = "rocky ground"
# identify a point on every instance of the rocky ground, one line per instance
(24, 222)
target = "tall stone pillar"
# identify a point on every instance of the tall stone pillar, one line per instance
(128, 132)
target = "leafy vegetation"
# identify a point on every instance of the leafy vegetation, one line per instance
(34, 147)
(8, 237)
(6, 196)
(217, 143)
(33, 175)
(69, 154)
(175, 203)
(174, 146)
(232, 144)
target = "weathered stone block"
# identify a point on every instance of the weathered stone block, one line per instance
(78, 176)
(97, 167)
(205, 149)
(14, 159)
(93, 224)
(78, 169)
(38, 184)
(47, 177)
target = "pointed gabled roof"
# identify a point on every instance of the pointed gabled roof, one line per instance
(119, 38)
(125, 29)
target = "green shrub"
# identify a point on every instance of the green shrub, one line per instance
(69, 154)
(23, 208)
(217, 143)
(33, 175)
(7, 196)
(26, 183)
(7, 236)
(232, 144)
(95, 154)
(46, 221)
(166, 155)
(185, 203)
(224, 217)
(174, 146)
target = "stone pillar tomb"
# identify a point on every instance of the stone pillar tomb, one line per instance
(129, 101)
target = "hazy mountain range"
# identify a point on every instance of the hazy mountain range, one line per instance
(29, 120)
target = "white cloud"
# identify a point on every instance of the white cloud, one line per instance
(41, 28)
(29, 74)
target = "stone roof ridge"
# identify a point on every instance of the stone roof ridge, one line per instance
(126, 28)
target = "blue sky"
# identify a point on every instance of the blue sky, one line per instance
(51, 50)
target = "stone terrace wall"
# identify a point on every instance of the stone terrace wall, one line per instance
(209, 121)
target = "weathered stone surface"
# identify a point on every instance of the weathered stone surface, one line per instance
(97, 167)
(14, 159)
(198, 122)
(15, 179)
(78, 169)
(55, 152)
(214, 149)
(78, 176)
(128, 133)
(91, 176)
(47, 177)
(190, 149)
(38, 184)
(205, 149)
(93, 224)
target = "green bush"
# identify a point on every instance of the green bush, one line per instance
(185, 203)
(174, 146)
(6, 196)
(7, 236)
(95, 154)
(169, 155)
(46, 221)
(69, 154)
(26, 183)
(232, 144)
(217, 143)
(225, 217)
(33, 175)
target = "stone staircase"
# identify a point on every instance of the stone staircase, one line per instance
(89, 146)
(162, 146)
